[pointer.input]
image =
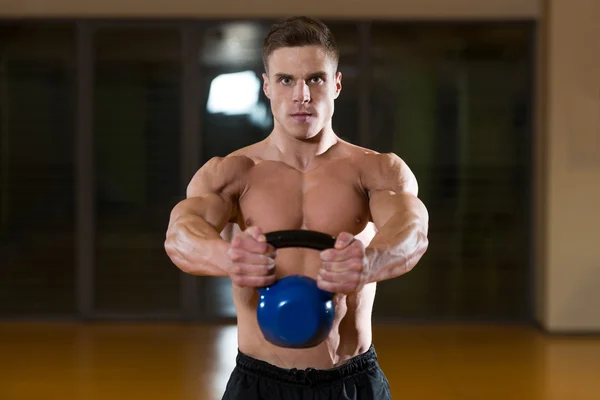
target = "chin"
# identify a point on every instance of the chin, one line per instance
(303, 134)
(300, 131)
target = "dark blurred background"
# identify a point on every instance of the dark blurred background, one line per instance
(103, 123)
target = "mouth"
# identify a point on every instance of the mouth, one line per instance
(302, 116)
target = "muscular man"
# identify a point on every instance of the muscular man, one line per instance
(303, 176)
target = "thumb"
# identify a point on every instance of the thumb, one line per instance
(343, 240)
(256, 233)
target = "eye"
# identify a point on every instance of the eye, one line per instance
(285, 80)
(316, 79)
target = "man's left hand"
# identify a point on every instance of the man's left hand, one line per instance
(344, 268)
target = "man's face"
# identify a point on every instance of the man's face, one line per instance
(302, 84)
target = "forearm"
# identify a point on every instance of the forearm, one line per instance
(397, 247)
(195, 245)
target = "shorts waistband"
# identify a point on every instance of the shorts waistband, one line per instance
(308, 376)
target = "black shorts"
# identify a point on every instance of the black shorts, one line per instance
(360, 378)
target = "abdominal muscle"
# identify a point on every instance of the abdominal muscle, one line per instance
(350, 335)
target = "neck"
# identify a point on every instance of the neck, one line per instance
(301, 152)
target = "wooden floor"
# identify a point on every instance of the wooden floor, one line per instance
(66, 361)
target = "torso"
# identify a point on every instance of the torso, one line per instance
(327, 197)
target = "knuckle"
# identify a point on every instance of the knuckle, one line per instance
(349, 252)
(356, 265)
(262, 247)
(348, 287)
(326, 275)
(266, 281)
(337, 266)
(323, 284)
(263, 270)
(238, 280)
(236, 270)
(243, 280)
(246, 281)
(336, 287)
(241, 235)
(240, 242)
(235, 255)
(356, 243)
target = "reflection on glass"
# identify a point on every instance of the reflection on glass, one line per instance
(137, 145)
(37, 266)
(246, 86)
(454, 102)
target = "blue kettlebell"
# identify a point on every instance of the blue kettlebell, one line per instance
(294, 312)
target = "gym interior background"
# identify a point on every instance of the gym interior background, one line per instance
(106, 111)
(162, 98)
(108, 108)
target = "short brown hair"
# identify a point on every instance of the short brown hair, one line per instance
(299, 31)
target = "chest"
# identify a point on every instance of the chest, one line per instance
(327, 200)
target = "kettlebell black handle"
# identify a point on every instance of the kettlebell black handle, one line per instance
(300, 238)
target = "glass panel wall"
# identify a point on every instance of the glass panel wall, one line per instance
(454, 101)
(137, 130)
(37, 96)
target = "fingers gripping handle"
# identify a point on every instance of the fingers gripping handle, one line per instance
(300, 238)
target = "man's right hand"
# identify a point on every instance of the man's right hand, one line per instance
(252, 259)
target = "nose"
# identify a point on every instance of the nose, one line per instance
(301, 93)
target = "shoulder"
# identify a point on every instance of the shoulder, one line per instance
(386, 171)
(254, 151)
(228, 165)
(220, 175)
(226, 175)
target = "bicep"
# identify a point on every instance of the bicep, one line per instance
(213, 209)
(393, 192)
(212, 192)
(405, 207)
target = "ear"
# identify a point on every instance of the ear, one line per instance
(266, 85)
(338, 84)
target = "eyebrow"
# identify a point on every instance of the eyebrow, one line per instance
(318, 74)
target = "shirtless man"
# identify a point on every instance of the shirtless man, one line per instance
(303, 176)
